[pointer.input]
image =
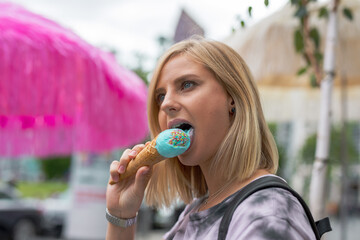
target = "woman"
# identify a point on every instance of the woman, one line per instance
(205, 85)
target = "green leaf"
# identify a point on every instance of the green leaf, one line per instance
(266, 2)
(318, 56)
(299, 41)
(315, 36)
(55, 167)
(301, 12)
(242, 24)
(323, 13)
(313, 81)
(348, 13)
(295, 2)
(302, 71)
(307, 151)
(250, 10)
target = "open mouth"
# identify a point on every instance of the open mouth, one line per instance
(188, 128)
(184, 126)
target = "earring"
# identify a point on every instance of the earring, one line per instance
(233, 110)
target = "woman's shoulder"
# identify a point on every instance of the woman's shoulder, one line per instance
(272, 201)
(272, 210)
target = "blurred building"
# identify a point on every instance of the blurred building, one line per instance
(21, 169)
(186, 27)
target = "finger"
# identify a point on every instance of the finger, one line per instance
(114, 174)
(124, 160)
(136, 149)
(142, 178)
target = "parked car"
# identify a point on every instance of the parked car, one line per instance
(20, 219)
(55, 210)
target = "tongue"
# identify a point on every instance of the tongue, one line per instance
(190, 132)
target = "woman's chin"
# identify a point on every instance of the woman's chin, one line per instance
(186, 160)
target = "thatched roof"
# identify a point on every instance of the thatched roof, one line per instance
(268, 46)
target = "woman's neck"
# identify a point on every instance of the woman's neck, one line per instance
(219, 188)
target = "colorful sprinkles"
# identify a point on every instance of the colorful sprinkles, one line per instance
(179, 138)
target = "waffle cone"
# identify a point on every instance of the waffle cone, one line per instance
(146, 157)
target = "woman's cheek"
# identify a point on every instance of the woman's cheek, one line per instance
(162, 122)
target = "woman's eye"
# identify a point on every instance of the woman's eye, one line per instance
(187, 85)
(160, 98)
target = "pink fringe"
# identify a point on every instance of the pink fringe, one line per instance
(59, 94)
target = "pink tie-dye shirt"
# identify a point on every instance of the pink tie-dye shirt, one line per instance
(271, 213)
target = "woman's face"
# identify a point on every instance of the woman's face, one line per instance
(189, 96)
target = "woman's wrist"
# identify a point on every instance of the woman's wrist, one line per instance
(120, 222)
(118, 233)
(121, 214)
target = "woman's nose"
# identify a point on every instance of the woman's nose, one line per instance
(170, 104)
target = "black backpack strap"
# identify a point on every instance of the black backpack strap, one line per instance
(323, 226)
(263, 183)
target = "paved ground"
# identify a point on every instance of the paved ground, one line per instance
(152, 235)
(353, 229)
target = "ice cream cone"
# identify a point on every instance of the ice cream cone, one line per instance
(169, 143)
(146, 157)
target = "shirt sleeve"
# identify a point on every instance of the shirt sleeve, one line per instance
(273, 227)
(270, 214)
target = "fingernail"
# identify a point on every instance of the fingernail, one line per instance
(121, 169)
(133, 153)
(145, 172)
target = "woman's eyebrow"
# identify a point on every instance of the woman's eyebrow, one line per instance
(177, 81)
(185, 77)
(158, 90)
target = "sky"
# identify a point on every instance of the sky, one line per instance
(132, 26)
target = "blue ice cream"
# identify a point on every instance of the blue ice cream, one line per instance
(172, 142)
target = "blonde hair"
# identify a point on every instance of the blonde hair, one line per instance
(248, 145)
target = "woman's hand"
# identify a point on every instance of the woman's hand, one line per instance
(124, 198)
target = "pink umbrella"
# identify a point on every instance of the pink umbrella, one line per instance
(58, 94)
